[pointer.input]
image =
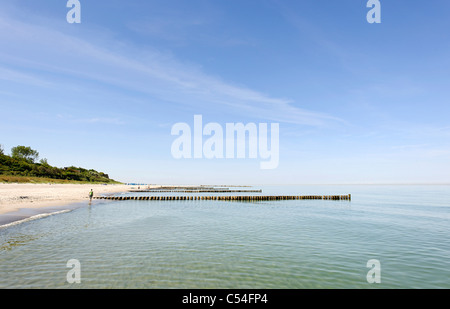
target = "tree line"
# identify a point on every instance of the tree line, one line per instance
(23, 161)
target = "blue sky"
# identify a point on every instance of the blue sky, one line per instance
(356, 102)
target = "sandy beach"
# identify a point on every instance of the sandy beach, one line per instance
(17, 196)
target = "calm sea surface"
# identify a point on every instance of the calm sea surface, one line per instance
(219, 244)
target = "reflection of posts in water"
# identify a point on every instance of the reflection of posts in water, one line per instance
(89, 215)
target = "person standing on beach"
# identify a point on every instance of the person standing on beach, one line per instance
(91, 194)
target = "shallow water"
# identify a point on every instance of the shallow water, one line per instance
(219, 244)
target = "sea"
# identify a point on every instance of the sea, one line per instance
(386, 237)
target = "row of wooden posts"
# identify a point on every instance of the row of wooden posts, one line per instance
(228, 198)
(197, 191)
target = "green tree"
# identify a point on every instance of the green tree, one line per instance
(24, 153)
(1, 149)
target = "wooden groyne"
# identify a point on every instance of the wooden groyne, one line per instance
(228, 198)
(196, 191)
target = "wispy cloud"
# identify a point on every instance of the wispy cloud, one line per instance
(59, 57)
(113, 121)
(90, 120)
(166, 29)
(21, 77)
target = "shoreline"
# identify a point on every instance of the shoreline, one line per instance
(21, 201)
(28, 214)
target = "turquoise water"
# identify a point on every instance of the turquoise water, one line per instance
(219, 244)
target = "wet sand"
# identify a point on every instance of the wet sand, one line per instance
(14, 197)
(19, 202)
